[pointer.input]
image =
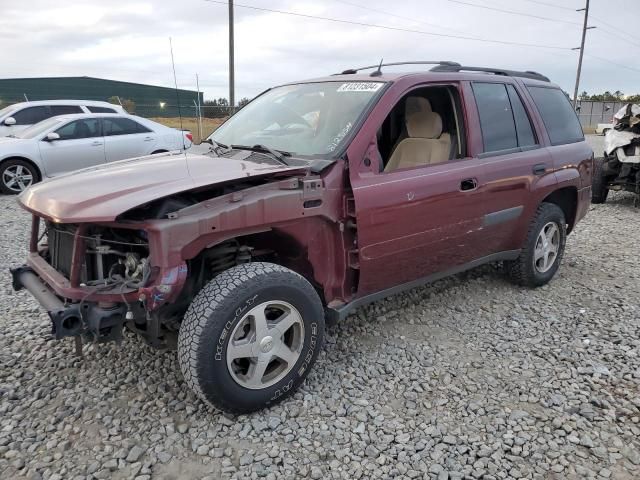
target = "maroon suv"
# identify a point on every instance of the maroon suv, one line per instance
(317, 197)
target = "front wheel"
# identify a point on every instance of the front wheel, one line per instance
(250, 337)
(542, 251)
(16, 176)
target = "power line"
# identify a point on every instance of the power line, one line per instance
(384, 12)
(618, 31)
(550, 5)
(621, 65)
(513, 12)
(387, 27)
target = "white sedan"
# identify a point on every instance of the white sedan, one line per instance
(71, 142)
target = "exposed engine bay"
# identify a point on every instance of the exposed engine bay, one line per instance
(621, 167)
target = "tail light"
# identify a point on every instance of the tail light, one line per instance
(189, 136)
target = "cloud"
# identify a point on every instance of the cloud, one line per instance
(128, 40)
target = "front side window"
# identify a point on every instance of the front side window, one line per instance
(31, 115)
(122, 126)
(308, 119)
(560, 121)
(78, 129)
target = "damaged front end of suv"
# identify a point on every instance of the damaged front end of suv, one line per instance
(619, 169)
(101, 260)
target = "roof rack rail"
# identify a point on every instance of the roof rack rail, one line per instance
(495, 71)
(353, 71)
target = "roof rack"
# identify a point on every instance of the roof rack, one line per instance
(443, 63)
(495, 71)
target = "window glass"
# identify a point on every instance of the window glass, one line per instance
(31, 115)
(557, 114)
(523, 124)
(122, 126)
(85, 128)
(496, 119)
(101, 110)
(38, 129)
(304, 119)
(65, 109)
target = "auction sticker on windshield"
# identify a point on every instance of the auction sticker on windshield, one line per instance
(360, 87)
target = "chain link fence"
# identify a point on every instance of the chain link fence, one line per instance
(592, 113)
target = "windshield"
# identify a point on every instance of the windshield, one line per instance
(39, 128)
(5, 110)
(303, 119)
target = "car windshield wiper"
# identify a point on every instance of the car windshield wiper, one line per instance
(217, 146)
(279, 155)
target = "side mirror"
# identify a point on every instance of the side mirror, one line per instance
(52, 136)
(9, 121)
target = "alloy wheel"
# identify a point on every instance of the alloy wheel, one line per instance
(265, 345)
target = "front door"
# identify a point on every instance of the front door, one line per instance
(422, 214)
(80, 145)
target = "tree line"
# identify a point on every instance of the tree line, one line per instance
(219, 108)
(607, 96)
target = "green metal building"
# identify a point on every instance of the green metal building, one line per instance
(144, 100)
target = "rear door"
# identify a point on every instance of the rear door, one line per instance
(126, 138)
(515, 161)
(80, 145)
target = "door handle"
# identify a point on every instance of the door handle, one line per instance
(96, 144)
(468, 184)
(148, 139)
(539, 169)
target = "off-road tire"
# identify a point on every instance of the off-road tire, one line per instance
(210, 319)
(12, 162)
(522, 270)
(599, 190)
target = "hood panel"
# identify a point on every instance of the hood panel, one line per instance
(100, 194)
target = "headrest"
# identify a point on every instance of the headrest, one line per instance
(421, 121)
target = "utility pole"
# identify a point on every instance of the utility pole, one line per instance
(232, 102)
(581, 48)
(199, 109)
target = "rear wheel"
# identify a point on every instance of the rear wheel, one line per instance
(16, 176)
(542, 251)
(599, 190)
(250, 337)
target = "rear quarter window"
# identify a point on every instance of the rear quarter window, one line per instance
(101, 109)
(560, 121)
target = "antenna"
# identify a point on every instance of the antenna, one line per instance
(175, 81)
(378, 72)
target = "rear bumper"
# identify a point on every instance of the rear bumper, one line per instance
(69, 320)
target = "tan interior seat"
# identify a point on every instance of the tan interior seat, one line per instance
(425, 144)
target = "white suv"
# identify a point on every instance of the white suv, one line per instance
(19, 116)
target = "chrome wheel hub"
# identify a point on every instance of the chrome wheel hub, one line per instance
(17, 178)
(265, 344)
(547, 247)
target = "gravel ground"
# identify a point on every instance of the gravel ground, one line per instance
(470, 377)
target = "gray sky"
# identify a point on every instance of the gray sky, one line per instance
(128, 40)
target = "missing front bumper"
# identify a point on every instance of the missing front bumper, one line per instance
(101, 323)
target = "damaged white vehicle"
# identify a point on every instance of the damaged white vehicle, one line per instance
(619, 169)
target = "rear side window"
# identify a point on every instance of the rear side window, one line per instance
(557, 114)
(503, 118)
(65, 110)
(523, 124)
(122, 126)
(101, 110)
(31, 115)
